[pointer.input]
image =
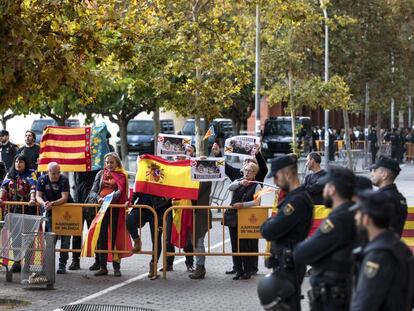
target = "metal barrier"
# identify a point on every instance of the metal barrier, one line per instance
(72, 206)
(208, 252)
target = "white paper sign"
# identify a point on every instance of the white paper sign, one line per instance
(207, 169)
(172, 145)
(245, 146)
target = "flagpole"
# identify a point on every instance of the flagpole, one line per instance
(264, 184)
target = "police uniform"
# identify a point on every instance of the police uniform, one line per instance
(394, 196)
(329, 251)
(384, 270)
(290, 226)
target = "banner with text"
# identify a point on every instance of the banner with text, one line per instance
(207, 169)
(67, 220)
(172, 145)
(249, 222)
(242, 146)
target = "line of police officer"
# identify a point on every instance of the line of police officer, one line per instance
(377, 275)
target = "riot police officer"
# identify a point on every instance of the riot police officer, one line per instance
(383, 175)
(290, 226)
(329, 249)
(384, 265)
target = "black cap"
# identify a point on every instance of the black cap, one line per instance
(4, 133)
(388, 163)
(340, 176)
(362, 183)
(282, 162)
(377, 204)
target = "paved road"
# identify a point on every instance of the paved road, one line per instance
(178, 292)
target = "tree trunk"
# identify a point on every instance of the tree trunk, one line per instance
(347, 139)
(292, 113)
(156, 119)
(5, 118)
(379, 136)
(198, 142)
(122, 124)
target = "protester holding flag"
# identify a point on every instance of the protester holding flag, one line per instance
(244, 191)
(113, 178)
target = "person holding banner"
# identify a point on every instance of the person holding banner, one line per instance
(113, 178)
(235, 173)
(243, 197)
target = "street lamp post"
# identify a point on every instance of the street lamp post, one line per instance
(324, 4)
(257, 78)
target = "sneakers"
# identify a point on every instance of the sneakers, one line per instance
(101, 272)
(75, 265)
(61, 270)
(95, 267)
(190, 268)
(137, 245)
(198, 273)
(117, 272)
(231, 271)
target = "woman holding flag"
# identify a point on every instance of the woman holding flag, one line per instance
(245, 194)
(113, 178)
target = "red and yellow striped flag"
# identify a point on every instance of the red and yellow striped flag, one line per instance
(160, 177)
(68, 146)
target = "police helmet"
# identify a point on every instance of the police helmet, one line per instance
(273, 291)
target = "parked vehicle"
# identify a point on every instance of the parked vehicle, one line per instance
(277, 134)
(140, 135)
(39, 124)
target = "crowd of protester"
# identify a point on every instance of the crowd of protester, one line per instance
(334, 187)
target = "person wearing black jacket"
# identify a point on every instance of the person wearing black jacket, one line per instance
(383, 175)
(8, 149)
(289, 226)
(313, 163)
(329, 250)
(236, 173)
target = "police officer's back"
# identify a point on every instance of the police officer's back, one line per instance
(384, 173)
(384, 272)
(329, 249)
(291, 224)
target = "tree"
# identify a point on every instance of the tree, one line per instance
(203, 72)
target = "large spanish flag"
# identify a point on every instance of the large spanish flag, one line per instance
(76, 149)
(160, 177)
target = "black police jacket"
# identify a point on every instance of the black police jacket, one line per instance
(400, 207)
(292, 222)
(329, 249)
(382, 275)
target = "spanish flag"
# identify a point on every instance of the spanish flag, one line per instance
(76, 149)
(210, 132)
(182, 224)
(160, 177)
(89, 246)
(320, 212)
(408, 232)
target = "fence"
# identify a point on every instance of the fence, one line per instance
(73, 212)
(208, 252)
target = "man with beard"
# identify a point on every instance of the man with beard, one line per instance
(384, 265)
(315, 189)
(329, 249)
(290, 226)
(383, 175)
(30, 149)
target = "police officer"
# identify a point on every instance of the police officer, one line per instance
(383, 272)
(329, 249)
(383, 175)
(290, 226)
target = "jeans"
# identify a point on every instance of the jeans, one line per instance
(200, 248)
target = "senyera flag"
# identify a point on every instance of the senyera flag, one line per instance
(76, 149)
(160, 177)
